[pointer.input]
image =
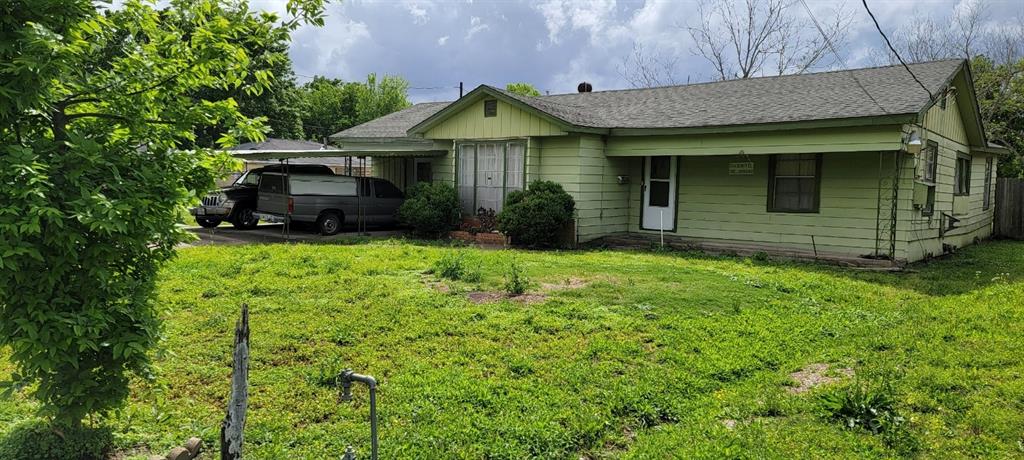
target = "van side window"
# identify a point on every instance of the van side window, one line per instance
(272, 183)
(385, 189)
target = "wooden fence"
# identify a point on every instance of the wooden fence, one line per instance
(1010, 208)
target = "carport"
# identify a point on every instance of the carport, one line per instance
(403, 161)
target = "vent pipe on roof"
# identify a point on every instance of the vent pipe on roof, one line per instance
(585, 87)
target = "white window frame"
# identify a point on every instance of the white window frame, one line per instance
(505, 189)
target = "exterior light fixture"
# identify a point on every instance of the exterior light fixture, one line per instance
(914, 143)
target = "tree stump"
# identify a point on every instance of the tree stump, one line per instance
(231, 430)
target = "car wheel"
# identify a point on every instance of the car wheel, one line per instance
(245, 218)
(206, 222)
(329, 223)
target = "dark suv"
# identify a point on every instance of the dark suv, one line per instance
(237, 202)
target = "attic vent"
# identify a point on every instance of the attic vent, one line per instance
(491, 108)
(584, 87)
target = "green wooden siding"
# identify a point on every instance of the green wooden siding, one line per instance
(390, 168)
(945, 127)
(715, 206)
(510, 121)
(854, 139)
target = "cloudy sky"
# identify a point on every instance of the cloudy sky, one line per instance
(553, 44)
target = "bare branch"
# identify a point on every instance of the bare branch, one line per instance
(740, 43)
(644, 69)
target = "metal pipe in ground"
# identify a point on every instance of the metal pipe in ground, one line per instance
(347, 377)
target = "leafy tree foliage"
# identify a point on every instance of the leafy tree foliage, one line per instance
(1000, 89)
(523, 89)
(331, 105)
(376, 99)
(95, 109)
(266, 44)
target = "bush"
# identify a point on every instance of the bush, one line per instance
(515, 281)
(455, 266)
(537, 216)
(430, 209)
(39, 440)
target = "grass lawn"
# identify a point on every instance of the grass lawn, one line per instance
(626, 354)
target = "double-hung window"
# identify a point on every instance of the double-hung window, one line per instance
(488, 172)
(962, 187)
(794, 183)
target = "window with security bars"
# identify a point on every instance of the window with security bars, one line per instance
(794, 182)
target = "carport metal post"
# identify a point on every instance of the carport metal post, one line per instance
(287, 197)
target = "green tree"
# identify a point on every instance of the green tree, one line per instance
(523, 89)
(376, 99)
(1000, 89)
(328, 106)
(95, 109)
(278, 104)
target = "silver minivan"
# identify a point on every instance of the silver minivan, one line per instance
(329, 201)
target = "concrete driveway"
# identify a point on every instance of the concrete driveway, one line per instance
(274, 233)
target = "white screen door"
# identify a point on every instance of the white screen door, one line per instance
(659, 207)
(490, 176)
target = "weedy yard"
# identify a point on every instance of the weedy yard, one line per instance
(610, 354)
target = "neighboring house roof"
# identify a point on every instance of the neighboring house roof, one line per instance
(285, 145)
(857, 94)
(395, 124)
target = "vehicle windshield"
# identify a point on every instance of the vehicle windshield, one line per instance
(249, 178)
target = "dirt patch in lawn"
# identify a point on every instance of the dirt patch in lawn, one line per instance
(492, 296)
(815, 375)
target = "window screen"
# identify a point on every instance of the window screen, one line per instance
(963, 175)
(929, 161)
(514, 163)
(467, 178)
(793, 183)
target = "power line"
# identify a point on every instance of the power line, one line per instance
(842, 62)
(931, 97)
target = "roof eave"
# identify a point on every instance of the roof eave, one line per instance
(893, 119)
(483, 91)
(972, 99)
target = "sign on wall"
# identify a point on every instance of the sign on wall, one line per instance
(741, 168)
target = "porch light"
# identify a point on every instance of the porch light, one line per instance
(914, 143)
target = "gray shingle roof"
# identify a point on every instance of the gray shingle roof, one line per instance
(396, 124)
(815, 96)
(272, 144)
(888, 90)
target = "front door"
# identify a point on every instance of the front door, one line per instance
(659, 206)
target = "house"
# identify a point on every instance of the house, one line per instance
(853, 165)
